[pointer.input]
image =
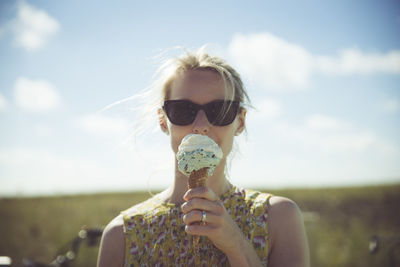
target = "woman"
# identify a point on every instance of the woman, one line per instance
(238, 227)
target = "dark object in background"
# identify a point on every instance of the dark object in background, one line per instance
(90, 235)
(390, 243)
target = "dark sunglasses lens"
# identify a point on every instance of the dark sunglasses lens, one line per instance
(183, 112)
(180, 112)
(222, 113)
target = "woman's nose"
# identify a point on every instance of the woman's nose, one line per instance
(201, 125)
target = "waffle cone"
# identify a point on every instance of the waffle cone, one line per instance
(196, 179)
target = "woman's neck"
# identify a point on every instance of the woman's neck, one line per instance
(217, 182)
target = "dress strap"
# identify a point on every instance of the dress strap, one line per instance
(269, 199)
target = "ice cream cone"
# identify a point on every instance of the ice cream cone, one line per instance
(197, 157)
(196, 179)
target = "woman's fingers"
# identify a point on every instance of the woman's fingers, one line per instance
(196, 216)
(200, 192)
(203, 204)
(200, 229)
(202, 198)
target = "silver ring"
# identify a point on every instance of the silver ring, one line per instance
(203, 217)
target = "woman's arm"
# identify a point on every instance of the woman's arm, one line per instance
(289, 246)
(112, 245)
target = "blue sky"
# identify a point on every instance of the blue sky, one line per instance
(323, 77)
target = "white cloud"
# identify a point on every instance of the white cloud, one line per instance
(323, 122)
(391, 106)
(318, 150)
(277, 64)
(330, 134)
(271, 61)
(36, 171)
(31, 28)
(354, 61)
(42, 130)
(3, 103)
(319, 132)
(277, 163)
(32, 170)
(266, 108)
(35, 95)
(4, 29)
(347, 141)
(103, 125)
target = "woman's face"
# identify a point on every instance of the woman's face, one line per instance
(201, 87)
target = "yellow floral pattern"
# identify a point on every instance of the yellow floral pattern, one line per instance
(155, 234)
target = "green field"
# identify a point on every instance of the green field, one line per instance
(339, 223)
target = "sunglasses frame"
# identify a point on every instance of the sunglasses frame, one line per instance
(227, 105)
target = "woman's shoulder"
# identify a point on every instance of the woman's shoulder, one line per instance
(114, 229)
(112, 245)
(282, 207)
(255, 198)
(283, 212)
(286, 226)
(116, 225)
(149, 207)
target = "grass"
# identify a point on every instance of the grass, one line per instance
(339, 223)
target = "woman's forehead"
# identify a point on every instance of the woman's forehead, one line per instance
(199, 83)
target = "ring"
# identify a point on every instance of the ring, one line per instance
(203, 217)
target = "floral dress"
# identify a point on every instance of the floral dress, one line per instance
(155, 232)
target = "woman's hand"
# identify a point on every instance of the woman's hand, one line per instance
(218, 227)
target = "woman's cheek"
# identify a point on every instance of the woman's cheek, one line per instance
(177, 133)
(227, 142)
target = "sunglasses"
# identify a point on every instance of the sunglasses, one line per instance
(218, 112)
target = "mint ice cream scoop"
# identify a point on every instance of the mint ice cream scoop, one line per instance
(198, 151)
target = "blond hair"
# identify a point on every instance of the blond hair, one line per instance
(200, 60)
(146, 103)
